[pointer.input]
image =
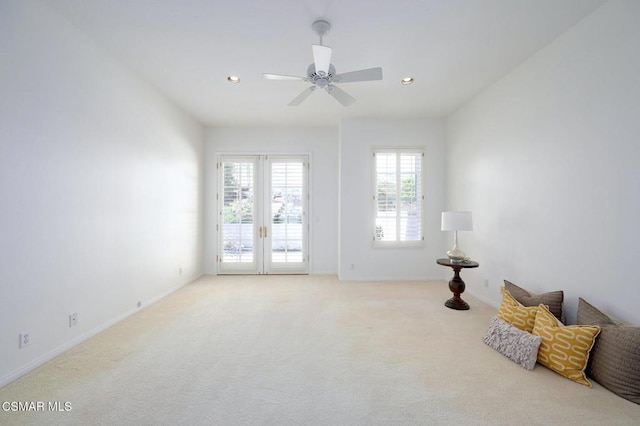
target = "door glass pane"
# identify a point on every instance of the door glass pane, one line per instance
(287, 191)
(238, 212)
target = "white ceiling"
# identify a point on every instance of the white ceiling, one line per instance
(453, 48)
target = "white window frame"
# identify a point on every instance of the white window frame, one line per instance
(399, 243)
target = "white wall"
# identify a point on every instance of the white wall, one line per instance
(322, 146)
(547, 160)
(100, 189)
(358, 138)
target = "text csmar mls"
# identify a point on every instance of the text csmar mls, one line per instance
(36, 406)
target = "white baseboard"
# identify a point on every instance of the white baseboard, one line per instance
(43, 359)
(486, 300)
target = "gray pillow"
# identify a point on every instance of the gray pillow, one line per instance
(614, 361)
(517, 345)
(553, 299)
(590, 315)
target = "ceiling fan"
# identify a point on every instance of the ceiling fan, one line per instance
(322, 74)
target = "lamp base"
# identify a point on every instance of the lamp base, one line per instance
(456, 255)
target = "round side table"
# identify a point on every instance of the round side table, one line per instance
(456, 285)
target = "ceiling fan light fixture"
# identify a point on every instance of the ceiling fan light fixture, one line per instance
(407, 80)
(233, 79)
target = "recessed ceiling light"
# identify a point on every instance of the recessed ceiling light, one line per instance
(406, 80)
(233, 79)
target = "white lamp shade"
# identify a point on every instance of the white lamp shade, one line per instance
(457, 221)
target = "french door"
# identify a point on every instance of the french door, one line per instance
(262, 214)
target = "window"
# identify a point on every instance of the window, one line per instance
(399, 198)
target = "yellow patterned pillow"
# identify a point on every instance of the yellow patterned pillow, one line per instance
(564, 349)
(513, 312)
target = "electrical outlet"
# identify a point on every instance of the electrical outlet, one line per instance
(486, 283)
(180, 271)
(73, 319)
(25, 339)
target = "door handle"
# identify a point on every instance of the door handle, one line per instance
(260, 232)
(265, 232)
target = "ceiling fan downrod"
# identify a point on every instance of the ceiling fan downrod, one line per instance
(321, 27)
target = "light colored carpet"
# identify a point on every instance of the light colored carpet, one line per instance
(305, 350)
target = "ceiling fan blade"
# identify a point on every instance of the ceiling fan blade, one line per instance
(340, 95)
(321, 58)
(283, 77)
(302, 96)
(361, 75)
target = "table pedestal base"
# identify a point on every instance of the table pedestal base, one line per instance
(456, 285)
(457, 304)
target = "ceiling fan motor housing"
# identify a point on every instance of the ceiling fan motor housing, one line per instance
(320, 80)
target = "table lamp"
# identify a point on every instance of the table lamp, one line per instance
(456, 221)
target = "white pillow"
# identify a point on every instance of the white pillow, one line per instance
(517, 345)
